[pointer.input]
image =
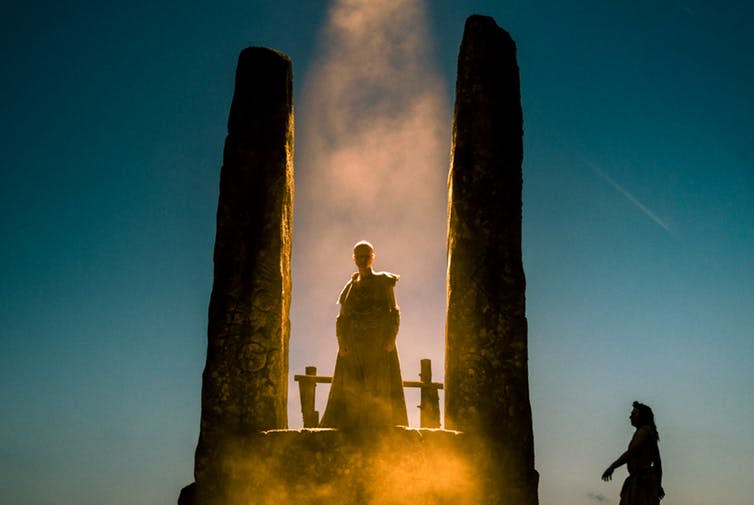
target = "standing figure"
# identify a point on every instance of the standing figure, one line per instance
(644, 483)
(367, 389)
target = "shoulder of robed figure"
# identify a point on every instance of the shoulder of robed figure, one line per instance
(388, 278)
(347, 288)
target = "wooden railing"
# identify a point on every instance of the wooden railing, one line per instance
(429, 405)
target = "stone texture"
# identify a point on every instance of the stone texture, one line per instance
(486, 375)
(244, 388)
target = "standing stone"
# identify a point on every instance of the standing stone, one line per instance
(244, 388)
(486, 376)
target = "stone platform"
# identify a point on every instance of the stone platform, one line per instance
(390, 466)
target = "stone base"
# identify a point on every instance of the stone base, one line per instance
(391, 466)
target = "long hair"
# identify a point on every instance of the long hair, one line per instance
(646, 417)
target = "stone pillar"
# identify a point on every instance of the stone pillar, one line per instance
(244, 388)
(486, 374)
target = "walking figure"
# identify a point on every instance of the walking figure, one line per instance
(643, 486)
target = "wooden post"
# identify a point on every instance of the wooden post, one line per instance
(306, 388)
(429, 415)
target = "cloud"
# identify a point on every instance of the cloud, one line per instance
(597, 497)
(372, 154)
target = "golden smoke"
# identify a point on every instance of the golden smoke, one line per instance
(385, 468)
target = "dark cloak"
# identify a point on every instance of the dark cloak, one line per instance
(367, 389)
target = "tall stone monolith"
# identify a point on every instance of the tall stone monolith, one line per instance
(244, 388)
(486, 373)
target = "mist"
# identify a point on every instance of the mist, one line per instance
(324, 466)
(372, 154)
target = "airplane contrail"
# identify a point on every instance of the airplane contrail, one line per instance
(631, 198)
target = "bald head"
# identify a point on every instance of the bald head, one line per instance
(363, 254)
(363, 247)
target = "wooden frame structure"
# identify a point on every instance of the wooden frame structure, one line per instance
(429, 405)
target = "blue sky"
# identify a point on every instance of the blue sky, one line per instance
(638, 231)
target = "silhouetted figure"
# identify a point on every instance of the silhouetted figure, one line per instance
(642, 458)
(367, 389)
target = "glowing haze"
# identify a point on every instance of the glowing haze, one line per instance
(371, 163)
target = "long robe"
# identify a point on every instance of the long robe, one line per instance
(367, 389)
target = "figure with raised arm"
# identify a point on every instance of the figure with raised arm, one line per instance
(367, 389)
(642, 458)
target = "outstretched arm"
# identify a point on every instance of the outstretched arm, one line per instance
(608, 474)
(641, 437)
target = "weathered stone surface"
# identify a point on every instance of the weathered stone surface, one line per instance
(244, 388)
(486, 376)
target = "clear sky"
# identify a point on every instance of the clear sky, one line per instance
(638, 224)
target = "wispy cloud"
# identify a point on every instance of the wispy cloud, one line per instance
(597, 497)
